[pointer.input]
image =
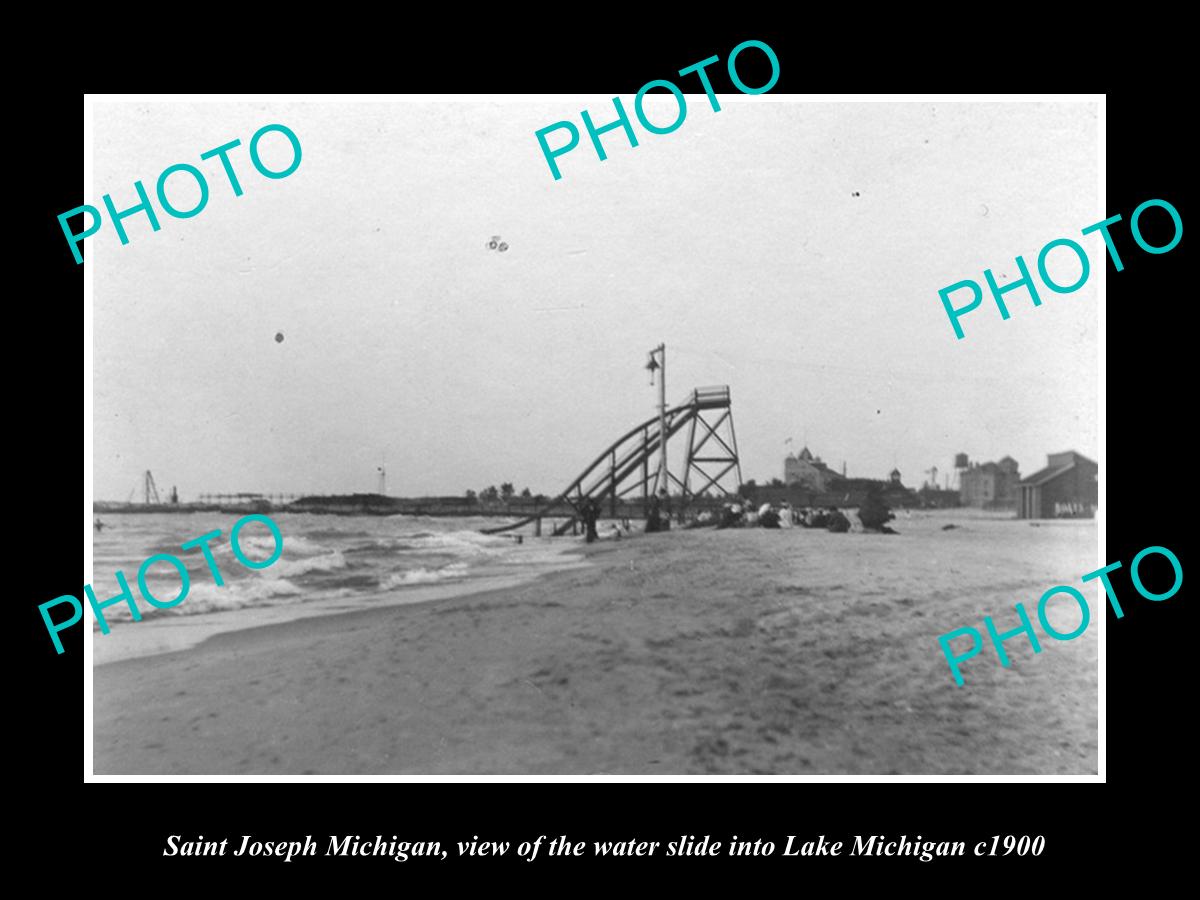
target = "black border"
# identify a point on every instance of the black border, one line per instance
(1147, 691)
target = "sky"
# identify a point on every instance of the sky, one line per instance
(792, 250)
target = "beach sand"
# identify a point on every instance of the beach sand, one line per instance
(690, 652)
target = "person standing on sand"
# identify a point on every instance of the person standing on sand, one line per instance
(664, 502)
(590, 513)
(653, 515)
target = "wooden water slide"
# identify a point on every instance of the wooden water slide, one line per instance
(624, 468)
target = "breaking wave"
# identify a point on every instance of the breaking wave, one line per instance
(423, 576)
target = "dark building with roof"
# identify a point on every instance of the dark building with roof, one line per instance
(1069, 486)
(992, 485)
(810, 482)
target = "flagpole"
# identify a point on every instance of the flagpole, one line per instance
(662, 419)
(658, 360)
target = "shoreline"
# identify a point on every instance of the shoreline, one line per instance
(745, 651)
(158, 633)
(479, 588)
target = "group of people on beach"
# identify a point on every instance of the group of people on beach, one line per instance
(734, 515)
(830, 518)
(873, 515)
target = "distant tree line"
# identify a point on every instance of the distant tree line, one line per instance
(491, 495)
